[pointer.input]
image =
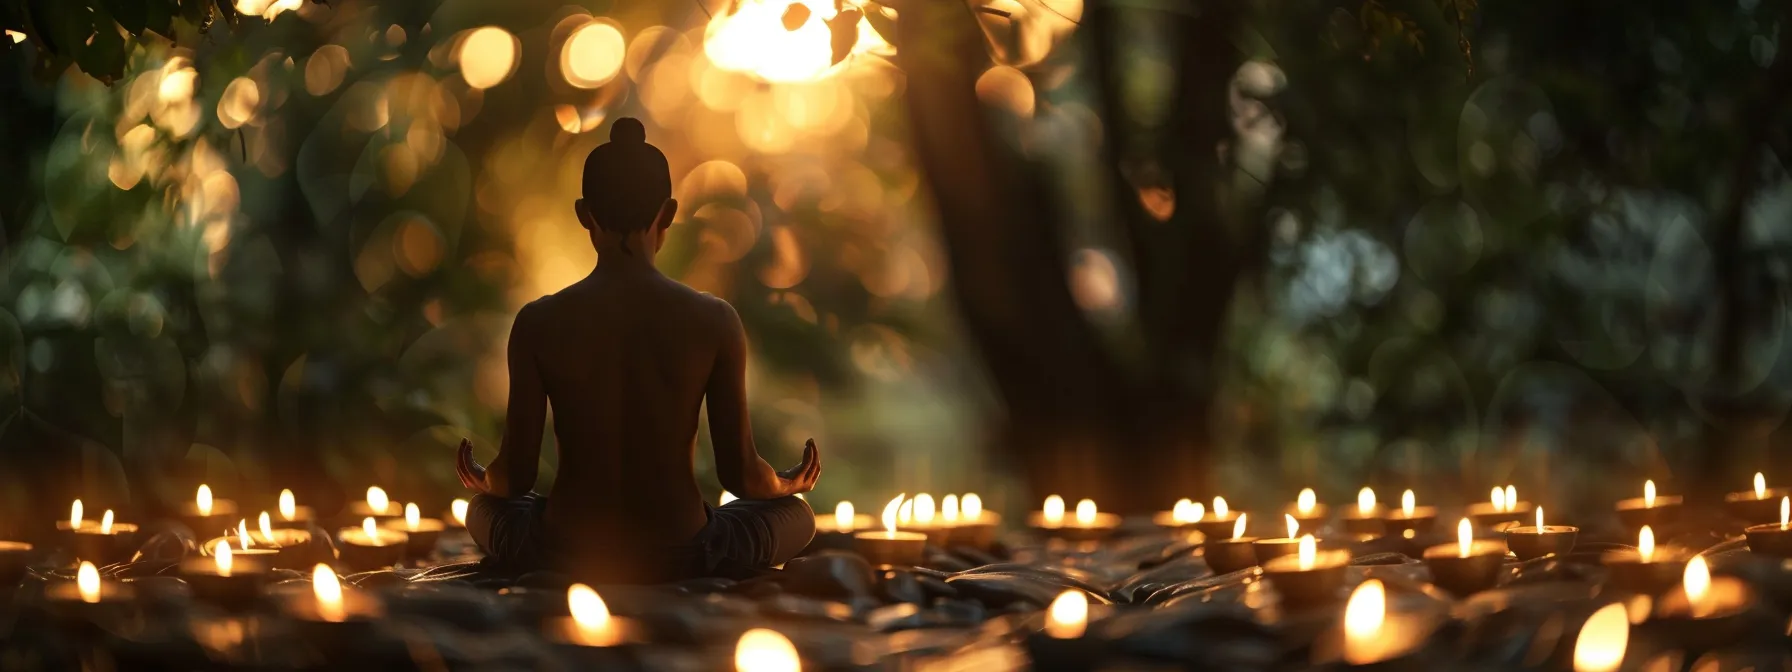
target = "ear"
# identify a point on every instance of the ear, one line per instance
(584, 215)
(668, 210)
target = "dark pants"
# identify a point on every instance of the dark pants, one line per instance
(742, 536)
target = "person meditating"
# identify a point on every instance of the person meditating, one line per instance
(627, 356)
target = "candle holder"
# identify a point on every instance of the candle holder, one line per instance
(1265, 550)
(65, 602)
(1713, 620)
(616, 632)
(1531, 542)
(1358, 522)
(825, 524)
(204, 523)
(885, 547)
(1772, 540)
(1315, 584)
(15, 561)
(1313, 518)
(938, 536)
(236, 590)
(1485, 515)
(1101, 527)
(978, 533)
(360, 551)
(1398, 522)
(421, 538)
(1225, 556)
(1628, 571)
(259, 554)
(1217, 527)
(102, 546)
(1636, 512)
(302, 517)
(1756, 509)
(1465, 573)
(360, 510)
(332, 630)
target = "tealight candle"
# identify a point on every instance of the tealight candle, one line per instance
(1707, 611)
(1308, 511)
(1371, 635)
(292, 546)
(330, 617)
(842, 521)
(765, 650)
(457, 513)
(1649, 510)
(378, 506)
(589, 622)
(1062, 644)
(917, 515)
(206, 515)
(15, 561)
(105, 543)
(370, 547)
(1088, 524)
(889, 546)
(1227, 555)
(1181, 515)
(1503, 506)
(1410, 520)
(1276, 547)
(291, 514)
(1366, 517)
(1757, 507)
(1648, 569)
(1218, 522)
(973, 526)
(1529, 543)
(80, 599)
(1602, 640)
(421, 533)
(1467, 566)
(1311, 577)
(1773, 539)
(224, 579)
(246, 547)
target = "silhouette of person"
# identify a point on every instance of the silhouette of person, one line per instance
(627, 356)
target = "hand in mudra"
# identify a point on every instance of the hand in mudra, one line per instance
(801, 478)
(471, 474)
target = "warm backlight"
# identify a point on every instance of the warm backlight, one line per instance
(1365, 501)
(289, 506)
(924, 510)
(1649, 494)
(588, 610)
(106, 522)
(204, 499)
(1365, 611)
(1293, 525)
(949, 508)
(972, 506)
(1600, 645)
(413, 516)
(87, 580)
(222, 557)
(1238, 527)
(762, 650)
(889, 517)
(1069, 615)
(1696, 582)
(1407, 503)
(1053, 510)
(1219, 507)
(1760, 486)
(843, 516)
(1645, 543)
(328, 591)
(1465, 537)
(377, 501)
(74, 515)
(1307, 551)
(1085, 512)
(1306, 501)
(459, 509)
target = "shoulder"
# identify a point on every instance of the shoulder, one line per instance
(532, 313)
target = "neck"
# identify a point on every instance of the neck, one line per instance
(631, 251)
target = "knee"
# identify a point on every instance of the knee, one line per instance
(796, 519)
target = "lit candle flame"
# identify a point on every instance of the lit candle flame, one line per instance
(377, 501)
(1053, 511)
(1697, 582)
(87, 580)
(204, 499)
(1238, 527)
(1602, 640)
(906, 513)
(1649, 494)
(924, 509)
(1539, 519)
(1306, 501)
(1365, 501)
(762, 650)
(1785, 511)
(242, 534)
(1465, 537)
(1293, 525)
(843, 516)
(1365, 611)
(1182, 511)
(222, 558)
(949, 508)
(1219, 507)
(267, 527)
(372, 532)
(106, 522)
(413, 516)
(1407, 503)
(588, 610)
(74, 515)
(1511, 498)
(725, 498)
(459, 509)
(972, 506)
(1645, 544)
(1498, 497)
(289, 506)
(889, 516)
(1085, 512)
(1069, 615)
(328, 591)
(1307, 552)
(1760, 486)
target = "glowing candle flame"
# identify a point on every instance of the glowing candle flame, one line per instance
(1365, 501)
(459, 509)
(1465, 537)
(1645, 543)
(222, 558)
(1602, 640)
(1785, 511)
(1069, 615)
(906, 513)
(1649, 494)
(924, 509)
(1306, 501)
(1219, 507)
(1498, 498)
(1760, 486)
(1238, 527)
(267, 527)
(1196, 511)
(949, 508)
(843, 516)
(87, 580)
(1307, 552)
(762, 650)
(1407, 502)
(588, 610)
(413, 516)
(1183, 511)
(1085, 512)
(289, 506)
(1293, 525)
(1696, 582)
(242, 534)
(106, 522)
(377, 501)
(1365, 611)
(889, 516)
(1511, 498)
(204, 499)
(74, 515)
(1053, 511)
(1539, 519)
(328, 591)
(972, 506)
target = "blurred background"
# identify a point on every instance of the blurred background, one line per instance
(1127, 251)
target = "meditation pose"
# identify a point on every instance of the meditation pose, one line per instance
(627, 356)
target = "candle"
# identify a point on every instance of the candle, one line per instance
(1309, 578)
(1369, 635)
(1063, 643)
(1758, 506)
(224, 579)
(1227, 555)
(421, 533)
(1529, 543)
(245, 545)
(457, 512)
(377, 505)
(291, 514)
(83, 598)
(1088, 523)
(1649, 510)
(843, 520)
(1602, 640)
(763, 650)
(1182, 514)
(15, 561)
(1308, 510)
(890, 547)
(1411, 520)
(370, 547)
(331, 618)
(973, 527)
(1707, 612)
(589, 622)
(288, 548)
(327, 590)
(1773, 539)
(917, 514)
(1697, 585)
(207, 515)
(1276, 547)
(1068, 616)
(1648, 569)
(1366, 517)
(1467, 566)
(105, 543)
(949, 509)
(1218, 521)
(1502, 506)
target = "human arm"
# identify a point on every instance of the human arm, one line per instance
(738, 464)
(514, 470)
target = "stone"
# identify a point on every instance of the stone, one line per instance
(828, 574)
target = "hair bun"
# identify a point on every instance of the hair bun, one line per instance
(628, 130)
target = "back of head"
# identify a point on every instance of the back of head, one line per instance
(626, 179)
